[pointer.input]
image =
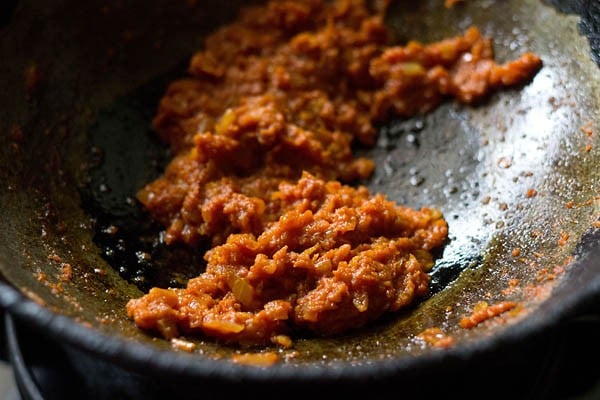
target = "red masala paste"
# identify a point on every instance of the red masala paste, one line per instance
(262, 131)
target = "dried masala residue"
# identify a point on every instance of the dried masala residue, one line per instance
(482, 312)
(263, 131)
(436, 337)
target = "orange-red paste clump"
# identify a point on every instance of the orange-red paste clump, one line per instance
(263, 131)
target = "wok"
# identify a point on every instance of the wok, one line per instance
(81, 82)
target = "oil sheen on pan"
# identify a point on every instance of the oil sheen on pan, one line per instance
(263, 133)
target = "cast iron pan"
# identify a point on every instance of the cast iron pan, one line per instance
(81, 82)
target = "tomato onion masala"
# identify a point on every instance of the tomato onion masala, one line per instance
(262, 131)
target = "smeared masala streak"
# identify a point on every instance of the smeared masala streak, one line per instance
(262, 132)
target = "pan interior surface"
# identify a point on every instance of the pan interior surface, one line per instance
(516, 177)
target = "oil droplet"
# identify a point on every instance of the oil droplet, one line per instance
(412, 139)
(450, 190)
(419, 125)
(504, 162)
(416, 180)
